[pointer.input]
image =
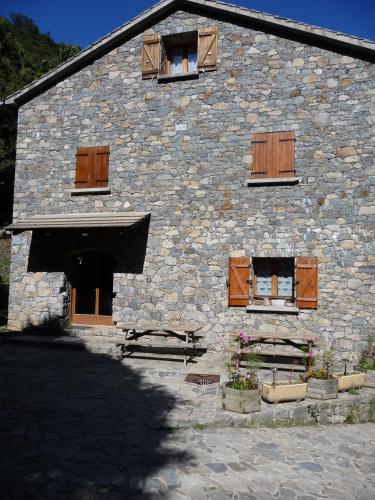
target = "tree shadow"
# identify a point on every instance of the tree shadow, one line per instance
(81, 426)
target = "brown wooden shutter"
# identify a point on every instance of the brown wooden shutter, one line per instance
(307, 282)
(151, 56)
(239, 281)
(100, 166)
(83, 167)
(262, 156)
(207, 48)
(283, 157)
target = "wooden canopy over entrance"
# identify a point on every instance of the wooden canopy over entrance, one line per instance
(87, 220)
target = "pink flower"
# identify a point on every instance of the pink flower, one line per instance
(242, 334)
(249, 338)
(246, 349)
(309, 354)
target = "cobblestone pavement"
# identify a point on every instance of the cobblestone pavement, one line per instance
(82, 426)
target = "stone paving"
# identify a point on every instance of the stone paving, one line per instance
(80, 425)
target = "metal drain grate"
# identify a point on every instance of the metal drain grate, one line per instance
(202, 378)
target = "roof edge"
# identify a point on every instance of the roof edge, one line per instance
(354, 45)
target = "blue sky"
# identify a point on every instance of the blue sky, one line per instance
(84, 21)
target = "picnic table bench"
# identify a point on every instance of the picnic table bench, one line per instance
(179, 335)
(303, 341)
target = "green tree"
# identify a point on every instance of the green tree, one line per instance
(25, 55)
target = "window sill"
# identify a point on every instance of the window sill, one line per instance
(273, 309)
(182, 76)
(271, 181)
(84, 191)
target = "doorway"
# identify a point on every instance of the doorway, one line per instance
(92, 288)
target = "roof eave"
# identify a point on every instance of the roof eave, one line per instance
(353, 45)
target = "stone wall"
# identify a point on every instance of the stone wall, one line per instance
(182, 151)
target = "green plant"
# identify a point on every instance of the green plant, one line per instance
(243, 351)
(327, 358)
(353, 392)
(367, 360)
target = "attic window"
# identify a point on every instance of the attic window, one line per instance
(180, 54)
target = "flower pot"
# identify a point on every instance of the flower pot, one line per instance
(283, 391)
(322, 389)
(352, 380)
(278, 302)
(241, 401)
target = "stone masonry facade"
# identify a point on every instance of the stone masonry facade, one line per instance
(182, 151)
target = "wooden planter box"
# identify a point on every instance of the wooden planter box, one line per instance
(283, 391)
(241, 401)
(353, 380)
(322, 389)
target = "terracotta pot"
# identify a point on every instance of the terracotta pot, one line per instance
(241, 401)
(322, 389)
(283, 391)
(353, 380)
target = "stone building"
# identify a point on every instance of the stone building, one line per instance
(205, 162)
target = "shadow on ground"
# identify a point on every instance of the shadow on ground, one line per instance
(77, 425)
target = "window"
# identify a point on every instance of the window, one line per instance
(181, 59)
(273, 279)
(290, 281)
(92, 167)
(273, 155)
(179, 54)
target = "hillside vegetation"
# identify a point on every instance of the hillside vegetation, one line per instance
(25, 55)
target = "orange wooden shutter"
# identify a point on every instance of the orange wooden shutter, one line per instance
(100, 166)
(262, 156)
(283, 157)
(151, 56)
(207, 48)
(239, 286)
(83, 167)
(307, 282)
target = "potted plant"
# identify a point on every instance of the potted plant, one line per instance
(367, 363)
(349, 379)
(242, 393)
(320, 382)
(284, 390)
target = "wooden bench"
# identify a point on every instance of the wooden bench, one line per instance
(176, 336)
(302, 341)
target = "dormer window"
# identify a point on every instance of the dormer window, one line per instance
(179, 54)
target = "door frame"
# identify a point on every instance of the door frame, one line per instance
(87, 319)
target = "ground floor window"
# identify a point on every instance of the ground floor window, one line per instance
(273, 279)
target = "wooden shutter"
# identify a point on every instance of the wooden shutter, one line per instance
(100, 166)
(151, 56)
(283, 157)
(83, 167)
(307, 282)
(207, 48)
(262, 155)
(239, 285)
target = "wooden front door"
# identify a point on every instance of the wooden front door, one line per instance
(92, 288)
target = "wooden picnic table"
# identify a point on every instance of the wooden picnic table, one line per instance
(303, 341)
(184, 334)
